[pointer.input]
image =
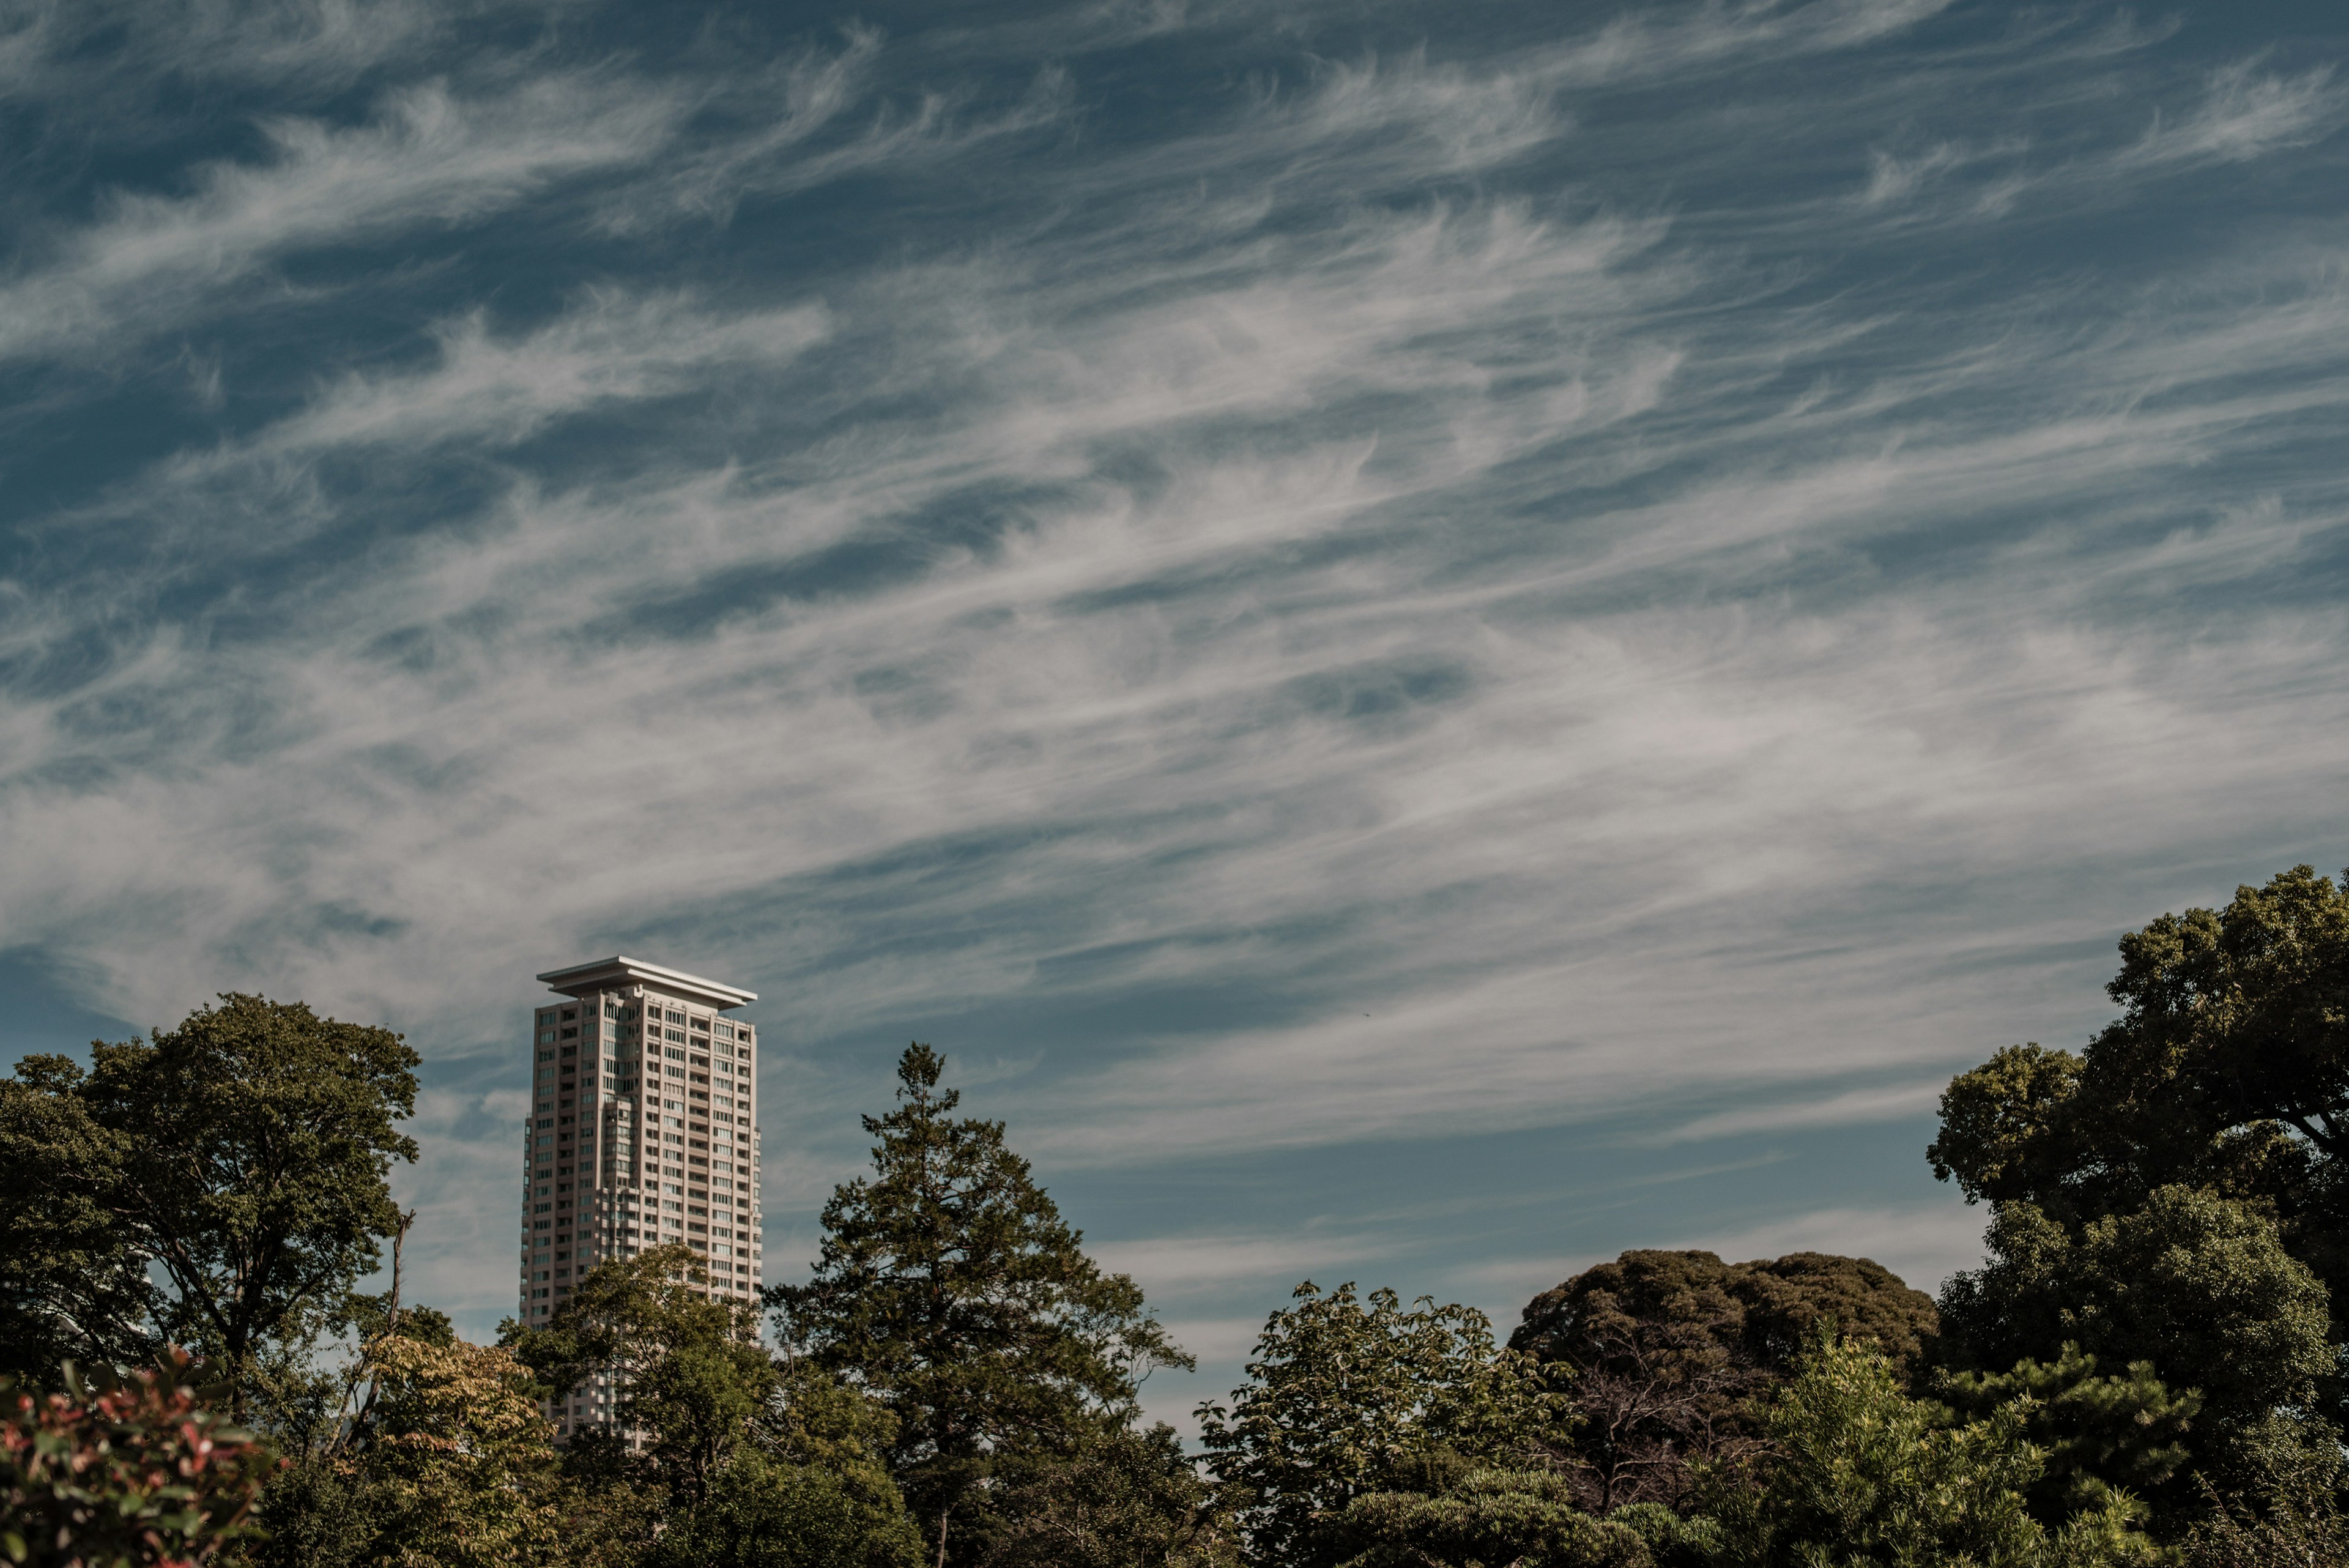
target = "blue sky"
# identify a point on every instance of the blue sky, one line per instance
(1431, 640)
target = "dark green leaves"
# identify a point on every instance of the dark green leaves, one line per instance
(951, 1291)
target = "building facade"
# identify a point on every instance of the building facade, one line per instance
(643, 1129)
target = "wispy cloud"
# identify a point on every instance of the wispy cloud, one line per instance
(1332, 597)
(1854, 1106)
(612, 348)
(429, 158)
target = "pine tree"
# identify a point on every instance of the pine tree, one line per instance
(951, 1291)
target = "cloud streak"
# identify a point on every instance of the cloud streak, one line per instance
(1430, 592)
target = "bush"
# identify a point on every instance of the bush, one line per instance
(123, 1469)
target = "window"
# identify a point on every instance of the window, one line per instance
(676, 1017)
(571, 1034)
(676, 1035)
(569, 1013)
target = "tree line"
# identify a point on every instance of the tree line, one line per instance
(2149, 1366)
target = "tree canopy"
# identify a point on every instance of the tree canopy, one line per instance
(1345, 1390)
(2228, 1070)
(950, 1290)
(1669, 1350)
(244, 1155)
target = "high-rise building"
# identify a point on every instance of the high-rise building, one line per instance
(643, 1129)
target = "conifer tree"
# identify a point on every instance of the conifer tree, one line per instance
(950, 1290)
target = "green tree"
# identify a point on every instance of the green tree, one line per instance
(2200, 1288)
(950, 1290)
(757, 1513)
(2190, 1282)
(73, 1286)
(2228, 1070)
(1343, 1391)
(1461, 1516)
(1859, 1475)
(818, 1422)
(1127, 1499)
(2100, 1433)
(244, 1155)
(456, 1466)
(686, 1368)
(1668, 1347)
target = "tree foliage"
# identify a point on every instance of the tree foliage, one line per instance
(243, 1155)
(2228, 1070)
(457, 1469)
(73, 1287)
(1858, 1472)
(2100, 1433)
(1669, 1348)
(1343, 1390)
(2199, 1287)
(136, 1468)
(949, 1289)
(686, 1368)
(757, 1513)
(1126, 1499)
(1464, 1516)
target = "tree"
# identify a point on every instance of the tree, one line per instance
(2228, 1070)
(114, 1468)
(1668, 1348)
(1857, 1472)
(457, 1468)
(950, 1289)
(244, 1155)
(1127, 1499)
(757, 1513)
(2122, 1431)
(73, 1286)
(2198, 1290)
(1342, 1392)
(686, 1368)
(1465, 1517)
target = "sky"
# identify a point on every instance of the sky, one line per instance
(1430, 640)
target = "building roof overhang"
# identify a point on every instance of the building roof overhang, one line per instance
(612, 973)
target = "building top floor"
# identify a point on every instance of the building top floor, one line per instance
(621, 973)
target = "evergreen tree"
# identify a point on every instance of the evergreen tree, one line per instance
(950, 1290)
(1857, 1473)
